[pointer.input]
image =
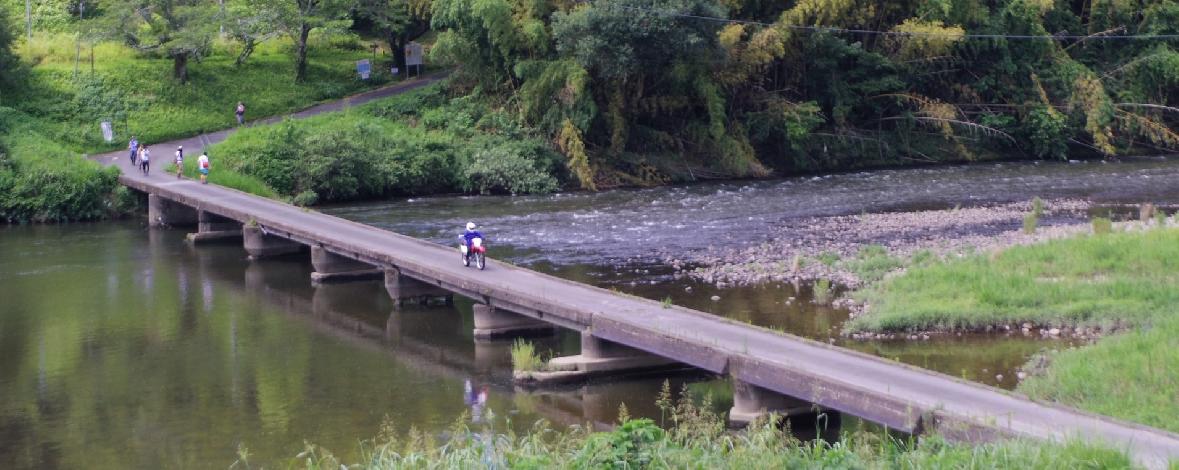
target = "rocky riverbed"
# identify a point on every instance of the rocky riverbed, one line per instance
(837, 248)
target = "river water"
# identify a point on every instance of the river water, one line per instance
(125, 347)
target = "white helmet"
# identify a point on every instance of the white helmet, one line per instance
(470, 226)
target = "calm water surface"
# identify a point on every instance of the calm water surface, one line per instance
(122, 347)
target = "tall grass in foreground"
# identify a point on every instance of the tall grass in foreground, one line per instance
(1112, 280)
(693, 438)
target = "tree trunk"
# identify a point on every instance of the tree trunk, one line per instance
(180, 67)
(301, 53)
(397, 48)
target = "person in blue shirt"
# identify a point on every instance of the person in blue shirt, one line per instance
(471, 234)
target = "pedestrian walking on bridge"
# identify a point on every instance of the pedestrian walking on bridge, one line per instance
(179, 161)
(144, 159)
(203, 167)
(133, 146)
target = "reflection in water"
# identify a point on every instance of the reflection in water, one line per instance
(148, 374)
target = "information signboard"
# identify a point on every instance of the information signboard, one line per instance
(364, 68)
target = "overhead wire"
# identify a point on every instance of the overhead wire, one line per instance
(838, 30)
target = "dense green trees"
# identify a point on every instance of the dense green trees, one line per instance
(181, 30)
(646, 91)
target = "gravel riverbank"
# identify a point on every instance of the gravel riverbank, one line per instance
(839, 248)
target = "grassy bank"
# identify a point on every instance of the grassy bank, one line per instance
(41, 181)
(420, 142)
(1133, 376)
(50, 117)
(696, 438)
(1106, 281)
(139, 96)
(1116, 281)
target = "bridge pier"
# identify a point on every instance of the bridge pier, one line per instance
(163, 212)
(404, 289)
(260, 245)
(331, 267)
(212, 227)
(491, 322)
(598, 357)
(751, 402)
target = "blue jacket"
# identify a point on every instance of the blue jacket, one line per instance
(471, 234)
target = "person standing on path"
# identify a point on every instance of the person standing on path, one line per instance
(179, 161)
(203, 167)
(240, 112)
(144, 159)
(133, 146)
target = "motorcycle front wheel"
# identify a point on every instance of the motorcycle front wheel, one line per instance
(480, 261)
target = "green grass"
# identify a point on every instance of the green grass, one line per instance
(1116, 279)
(419, 142)
(40, 181)
(138, 94)
(227, 178)
(1134, 376)
(524, 357)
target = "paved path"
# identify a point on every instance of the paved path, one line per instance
(194, 145)
(880, 390)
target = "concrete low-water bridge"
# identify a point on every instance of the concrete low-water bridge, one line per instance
(770, 371)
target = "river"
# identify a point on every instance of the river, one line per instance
(125, 347)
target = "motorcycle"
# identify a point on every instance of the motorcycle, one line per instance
(477, 251)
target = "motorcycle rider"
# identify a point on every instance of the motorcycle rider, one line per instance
(470, 234)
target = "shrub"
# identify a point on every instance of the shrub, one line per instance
(1102, 226)
(524, 357)
(500, 170)
(1029, 223)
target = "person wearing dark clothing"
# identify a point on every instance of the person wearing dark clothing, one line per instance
(240, 112)
(133, 146)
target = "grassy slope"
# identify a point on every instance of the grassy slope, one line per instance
(1133, 375)
(55, 116)
(159, 108)
(1119, 279)
(418, 142)
(1123, 278)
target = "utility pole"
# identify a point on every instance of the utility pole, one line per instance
(29, 18)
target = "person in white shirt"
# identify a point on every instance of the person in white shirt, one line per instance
(179, 161)
(203, 167)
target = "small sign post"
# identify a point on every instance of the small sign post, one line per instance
(364, 68)
(108, 134)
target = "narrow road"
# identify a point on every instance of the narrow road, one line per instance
(877, 389)
(194, 145)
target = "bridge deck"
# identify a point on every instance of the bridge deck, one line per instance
(900, 396)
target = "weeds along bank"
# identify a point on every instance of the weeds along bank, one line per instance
(691, 436)
(420, 142)
(1115, 286)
